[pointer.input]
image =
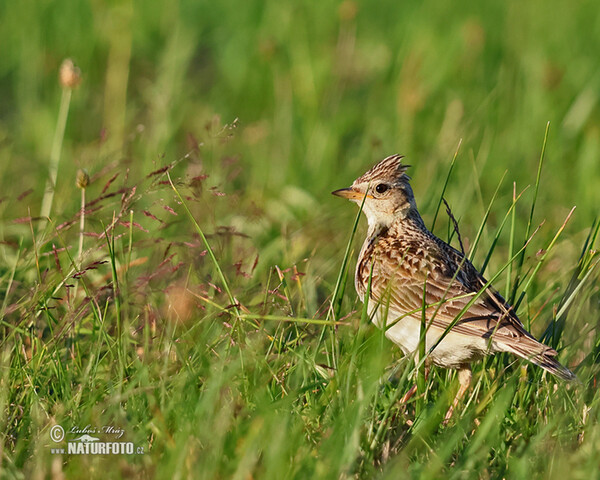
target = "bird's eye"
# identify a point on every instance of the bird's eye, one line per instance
(381, 188)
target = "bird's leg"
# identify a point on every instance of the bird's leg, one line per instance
(464, 378)
(408, 395)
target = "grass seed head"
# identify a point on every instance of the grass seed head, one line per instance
(69, 75)
(83, 178)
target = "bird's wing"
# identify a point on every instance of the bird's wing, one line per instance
(403, 283)
(402, 278)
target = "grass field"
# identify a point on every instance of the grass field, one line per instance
(205, 305)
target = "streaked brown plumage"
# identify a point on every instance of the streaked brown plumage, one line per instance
(408, 260)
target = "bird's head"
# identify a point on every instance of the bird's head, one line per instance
(385, 190)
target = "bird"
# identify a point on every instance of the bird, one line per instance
(409, 274)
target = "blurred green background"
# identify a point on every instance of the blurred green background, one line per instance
(321, 89)
(280, 103)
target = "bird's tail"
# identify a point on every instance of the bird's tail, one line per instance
(542, 356)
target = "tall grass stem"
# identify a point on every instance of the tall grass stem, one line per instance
(81, 227)
(59, 135)
(211, 254)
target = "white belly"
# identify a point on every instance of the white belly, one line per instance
(454, 351)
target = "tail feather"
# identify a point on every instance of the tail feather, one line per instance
(542, 356)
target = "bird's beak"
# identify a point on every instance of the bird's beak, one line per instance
(349, 193)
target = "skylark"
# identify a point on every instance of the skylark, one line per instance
(414, 273)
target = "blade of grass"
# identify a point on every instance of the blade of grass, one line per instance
(59, 135)
(521, 259)
(397, 394)
(11, 279)
(121, 330)
(110, 244)
(129, 243)
(485, 219)
(276, 318)
(543, 258)
(286, 290)
(587, 252)
(499, 231)
(511, 246)
(206, 246)
(420, 403)
(569, 299)
(358, 338)
(554, 330)
(336, 300)
(437, 209)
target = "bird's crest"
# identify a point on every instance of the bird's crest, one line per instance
(390, 169)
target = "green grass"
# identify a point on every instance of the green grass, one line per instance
(212, 315)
